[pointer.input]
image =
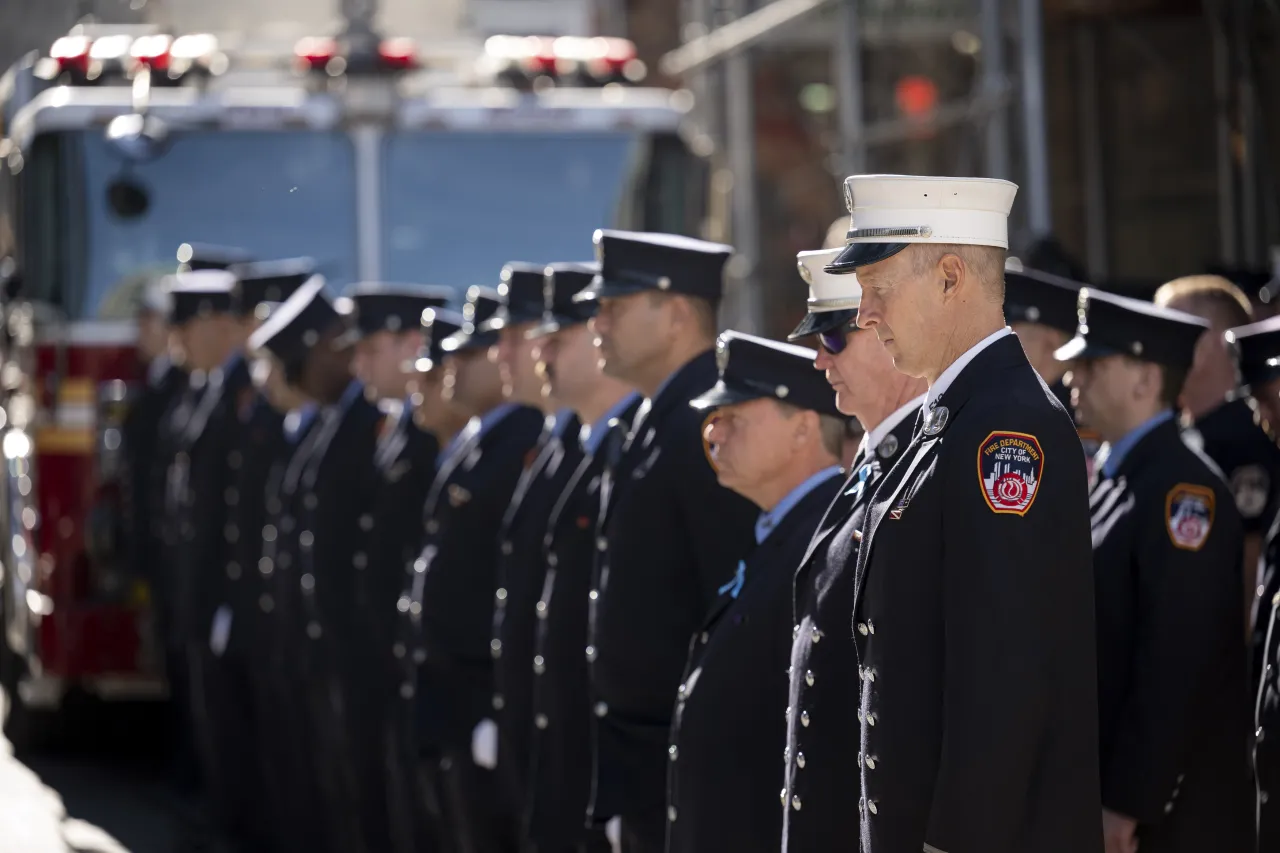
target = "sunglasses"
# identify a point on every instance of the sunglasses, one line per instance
(835, 340)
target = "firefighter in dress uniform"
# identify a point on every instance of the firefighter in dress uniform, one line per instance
(386, 326)
(212, 334)
(520, 568)
(1257, 350)
(669, 535)
(285, 741)
(331, 486)
(978, 680)
(1223, 415)
(413, 787)
(258, 443)
(173, 416)
(454, 580)
(560, 760)
(1041, 310)
(820, 746)
(1167, 540)
(775, 439)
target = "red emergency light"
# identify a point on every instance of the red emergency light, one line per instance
(325, 54)
(71, 53)
(151, 52)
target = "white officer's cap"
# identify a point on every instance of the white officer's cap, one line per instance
(889, 212)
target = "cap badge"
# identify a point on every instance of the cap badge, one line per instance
(1009, 469)
(1033, 314)
(782, 391)
(664, 283)
(722, 355)
(1136, 347)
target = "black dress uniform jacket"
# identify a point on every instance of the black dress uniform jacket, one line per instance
(520, 571)
(1248, 458)
(1266, 709)
(669, 536)
(200, 477)
(454, 578)
(141, 432)
(819, 785)
(1174, 716)
(560, 774)
(973, 623)
(338, 483)
(727, 727)
(405, 459)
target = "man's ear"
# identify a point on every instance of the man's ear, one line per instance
(952, 270)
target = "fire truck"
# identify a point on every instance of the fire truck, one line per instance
(382, 158)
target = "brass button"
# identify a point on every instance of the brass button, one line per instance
(800, 760)
(540, 721)
(808, 677)
(804, 719)
(795, 803)
(673, 752)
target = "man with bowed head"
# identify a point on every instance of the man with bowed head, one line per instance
(973, 600)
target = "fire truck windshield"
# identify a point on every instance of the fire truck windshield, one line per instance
(272, 193)
(458, 205)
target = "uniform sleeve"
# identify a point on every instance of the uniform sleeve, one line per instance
(1016, 532)
(719, 524)
(1188, 602)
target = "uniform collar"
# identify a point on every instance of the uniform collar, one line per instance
(295, 422)
(354, 389)
(948, 376)
(594, 434)
(158, 369)
(871, 440)
(562, 419)
(770, 519)
(1118, 451)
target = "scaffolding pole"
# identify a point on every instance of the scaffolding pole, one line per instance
(1088, 121)
(994, 76)
(847, 57)
(740, 148)
(1035, 135)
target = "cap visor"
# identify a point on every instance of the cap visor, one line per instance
(817, 322)
(1078, 348)
(857, 255)
(493, 324)
(602, 288)
(721, 395)
(464, 342)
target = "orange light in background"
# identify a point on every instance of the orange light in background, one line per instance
(916, 96)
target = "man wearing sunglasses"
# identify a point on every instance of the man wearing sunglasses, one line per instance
(973, 600)
(821, 745)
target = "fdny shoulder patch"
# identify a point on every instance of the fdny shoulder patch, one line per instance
(1010, 466)
(1188, 514)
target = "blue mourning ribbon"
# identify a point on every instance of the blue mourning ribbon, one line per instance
(734, 586)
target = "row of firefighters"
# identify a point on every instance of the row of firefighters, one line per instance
(568, 570)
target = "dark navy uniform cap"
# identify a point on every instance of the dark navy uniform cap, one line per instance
(560, 283)
(375, 307)
(635, 261)
(437, 325)
(520, 290)
(295, 326)
(200, 293)
(207, 256)
(1031, 296)
(752, 368)
(1117, 325)
(482, 303)
(269, 281)
(1257, 350)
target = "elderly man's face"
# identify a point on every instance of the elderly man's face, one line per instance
(752, 444)
(905, 309)
(861, 374)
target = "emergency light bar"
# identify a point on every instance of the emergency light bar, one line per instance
(82, 59)
(586, 60)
